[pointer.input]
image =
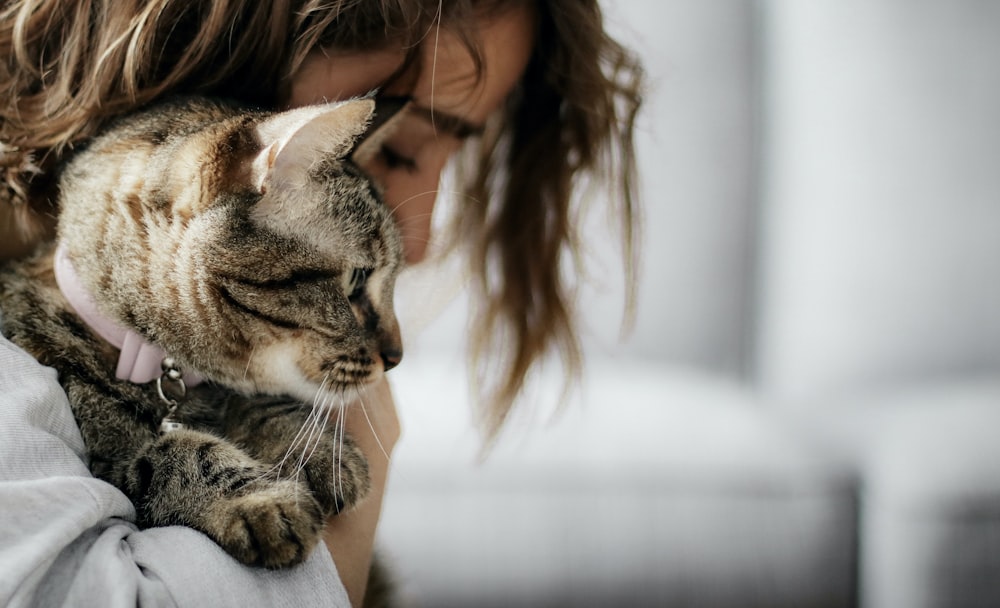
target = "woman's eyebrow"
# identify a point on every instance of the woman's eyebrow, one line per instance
(447, 123)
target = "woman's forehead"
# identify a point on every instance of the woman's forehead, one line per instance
(444, 79)
(448, 79)
(327, 75)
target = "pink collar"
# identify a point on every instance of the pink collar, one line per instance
(138, 361)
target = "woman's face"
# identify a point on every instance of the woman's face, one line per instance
(448, 106)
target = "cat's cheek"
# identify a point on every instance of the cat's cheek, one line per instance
(278, 369)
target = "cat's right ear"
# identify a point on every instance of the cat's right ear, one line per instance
(292, 141)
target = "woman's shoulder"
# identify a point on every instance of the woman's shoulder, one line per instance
(37, 430)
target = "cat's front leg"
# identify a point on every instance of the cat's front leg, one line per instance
(198, 480)
(301, 443)
(193, 478)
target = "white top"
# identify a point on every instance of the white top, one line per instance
(69, 539)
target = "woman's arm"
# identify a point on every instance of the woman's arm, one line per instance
(350, 536)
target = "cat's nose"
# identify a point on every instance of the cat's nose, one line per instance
(391, 358)
(390, 344)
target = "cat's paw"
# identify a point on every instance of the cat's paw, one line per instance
(277, 431)
(199, 480)
(338, 476)
(274, 524)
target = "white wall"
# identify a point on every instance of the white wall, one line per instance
(881, 193)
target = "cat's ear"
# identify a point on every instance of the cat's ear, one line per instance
(296, 139)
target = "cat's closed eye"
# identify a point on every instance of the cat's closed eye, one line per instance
(355, 283)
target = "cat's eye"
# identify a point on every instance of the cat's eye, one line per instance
(395, 160)
(356, 283)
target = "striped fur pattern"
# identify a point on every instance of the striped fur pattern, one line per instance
(252, 250)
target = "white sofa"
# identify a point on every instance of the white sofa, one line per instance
(808, 412)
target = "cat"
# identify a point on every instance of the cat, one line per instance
(239, 267)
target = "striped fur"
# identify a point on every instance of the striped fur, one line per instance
(247, 247)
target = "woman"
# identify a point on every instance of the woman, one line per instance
(534, 92)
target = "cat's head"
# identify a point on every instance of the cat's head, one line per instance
(321, 294)
(261, 255)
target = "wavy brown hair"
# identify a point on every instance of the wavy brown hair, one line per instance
(69, 66)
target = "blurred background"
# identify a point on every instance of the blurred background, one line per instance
(808, 410)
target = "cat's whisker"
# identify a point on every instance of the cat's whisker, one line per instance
(413, 219)
(304, 431)
(338, 445)
(275, 469)
(314, 439)
(309, 438)
(364, 410)
(436, 192)
(246, 370)
(455, 192)
(413, 197)
(316, 422)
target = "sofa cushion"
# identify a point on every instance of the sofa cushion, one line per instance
(654, 486)
(929, 460)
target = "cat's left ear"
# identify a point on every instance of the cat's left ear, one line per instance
(295, 139)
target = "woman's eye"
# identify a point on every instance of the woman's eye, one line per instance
(395, 160)
(356, 283)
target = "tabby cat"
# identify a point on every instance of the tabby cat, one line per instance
(221, 283)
